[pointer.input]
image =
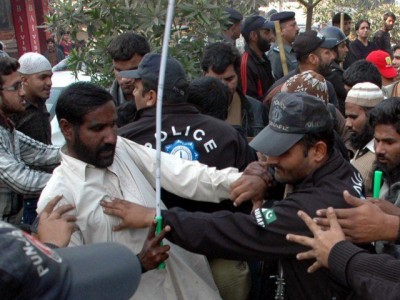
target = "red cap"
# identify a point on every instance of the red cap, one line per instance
(382, 61)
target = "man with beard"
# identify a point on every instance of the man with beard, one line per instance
(361, 99)
(382, 36)
(53, 53)
(299, 144)
(98, 165)
(255, 69)
(36, 73)
(126, 51)
(341, 50)
(314, 52)
(385, 122)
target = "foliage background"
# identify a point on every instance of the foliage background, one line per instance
(194, 21)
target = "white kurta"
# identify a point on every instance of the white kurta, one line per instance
(132, 177)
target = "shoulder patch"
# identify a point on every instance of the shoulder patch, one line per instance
(265, 216)
(181, 149)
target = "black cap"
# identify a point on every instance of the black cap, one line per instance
(149, 69)
(254, 23)
(234, 15)
(308, 41)
(292, 115)
(30, 270)
(283, 16)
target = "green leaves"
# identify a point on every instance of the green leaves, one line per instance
(194, 22)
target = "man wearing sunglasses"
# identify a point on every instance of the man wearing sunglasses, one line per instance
(18, 152)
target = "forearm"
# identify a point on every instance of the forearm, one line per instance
(377, 276)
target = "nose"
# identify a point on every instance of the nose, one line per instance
(110, 135)
(272, 160)
(379, 148)
(21, 91)
(348, 123)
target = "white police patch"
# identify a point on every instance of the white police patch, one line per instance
(181, 149)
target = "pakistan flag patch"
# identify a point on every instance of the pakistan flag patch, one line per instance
(264, 216)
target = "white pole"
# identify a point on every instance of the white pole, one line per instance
(164, 55)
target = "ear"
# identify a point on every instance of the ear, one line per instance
(67, 129)
(253, 36)
(313, 58)
(319, 151)
(151, 98)
(24, 79)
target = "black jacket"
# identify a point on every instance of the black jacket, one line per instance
(191, 135)
(255, 73)
(336, 78)
(371, 276)
(262, 235)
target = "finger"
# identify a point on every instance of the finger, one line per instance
(69, 218)
(113, 212)
(309, 222)
(321, 213)
(300, 239)
(333, 222)
(59, 211)
(120, 226)
(322, 222)
(314, 267)
(52, 203)
(305, 255)
(353, 201)
(157, 240)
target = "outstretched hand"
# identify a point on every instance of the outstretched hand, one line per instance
(322, 242)
(364, 222)
(55, 226)
(132, 215)
(152, 253)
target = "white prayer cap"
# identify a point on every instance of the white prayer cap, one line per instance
(32, 63)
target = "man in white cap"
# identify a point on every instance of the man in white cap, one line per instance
(360, 100)
(35, 71)
(19, 153)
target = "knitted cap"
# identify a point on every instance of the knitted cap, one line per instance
(365, 94)
(309, 82)
(32, 63)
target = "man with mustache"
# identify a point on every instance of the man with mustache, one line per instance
(255, 69)
(360, 100)
(314, 52)
(382, 37)
(97, 165)
(36, 73)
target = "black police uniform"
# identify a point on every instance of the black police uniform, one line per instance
(262, 235)
(191, 135)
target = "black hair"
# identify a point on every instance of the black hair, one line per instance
(359, 22)
(387, 113)
(78, 99)
(396, 47)
(336, 18)
(210, 95)
(362, 71)
(388, 14)
(1, 46)
(8, 65)
(50, 40)
(219, 56)
(177, 94)
(126, 45)
(310, 139)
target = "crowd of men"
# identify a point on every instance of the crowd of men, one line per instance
(268, 154)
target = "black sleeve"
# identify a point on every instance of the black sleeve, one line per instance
(261, 235)
(379, 40)
(371, 276)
